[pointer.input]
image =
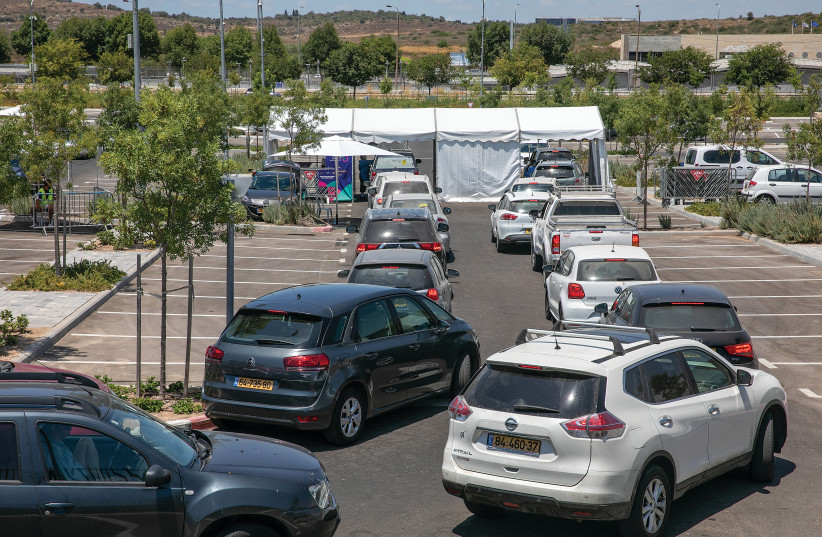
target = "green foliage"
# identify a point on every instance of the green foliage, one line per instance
(178, 43)
(85, 275)
(497, 36)
(799, 222)
(705, 208)
(688, 115)
(299, 116)
(120, 111)
(430, 70)
(330, 95)
(150, 386)
(386, 85)
(289, 215)
(684, 66)
(186, 406)
(90, 33)
(384, 48)
(664, 221)
(176, 386)
(21, 205)
(118, 389)
(740, 123)
(120, 26)
(5, 48)
(353, 65)
(63, 59)
(282, 68)
(552, 42)
(805, 144)
(590, 63)
(11, 327)
(21, 39)
(115, 67)
(12, 136)
(759, 66)
(321, 43)
(239, 43)
(523, 66)
(147, 404)
(623, 174)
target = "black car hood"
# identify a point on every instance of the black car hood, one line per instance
(238, 453)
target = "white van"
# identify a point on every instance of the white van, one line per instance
(743, 161)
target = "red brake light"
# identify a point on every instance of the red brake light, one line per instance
(433, 246)
(380, 200)
(365, 247)
(373, 175)
(416, 172)
(613, 306)
(440, 219)
(751, 183)
(614, 260)
(213, 355)
(687, 303)
(635, 239)
(594, 231)
(509, 216)
(740, 349)
(459, 409)
(575, 290)
(308, 362)
(555, 244)
(433, 294)
(308, 419)
(391, 267)
(602, 425)
(277, 312)
(526, 366)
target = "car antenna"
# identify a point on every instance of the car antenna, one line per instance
(556, 342)
(612, 247)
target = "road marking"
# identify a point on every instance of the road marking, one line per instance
(342, 261)
(809, 393)
(169, 314)
(221, 281)
(729, 267)
(93, 362)
(717, 256)
(343, 250)
(267, 258)
(212, 338)
(288, 248)
(28, 249)
(766, 363)
(796, 363)
(252, 269)
(264, 238)
(784, 337)
(200, 296)
(779, 314)
(747, 281)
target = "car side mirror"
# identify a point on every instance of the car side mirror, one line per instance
(442, 227)
(366, 183)
(372, 191)
(492, 206)
(351, 229)
(442, 327)
(533, 214)
(437, 190)
(157, 476)
(547, 269)
(525, 160)
(446, 210)
(343, 273)
(452, 273)
(744, 378)
(418, 161)
(601, 308)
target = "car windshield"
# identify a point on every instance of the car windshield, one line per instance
(271, 181)
(417, 203)
(528, 148)
(533, 187)
(273, 327)
(526, 206)
(587, 208)
(380, 231)
(616, 269)
(689, 316)
(394, 163)
(168, 440)
(554, 155)
(555, 171)
(403, 275)
(555, 394)
(405, 187)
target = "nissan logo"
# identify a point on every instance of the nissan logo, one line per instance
(511, 424)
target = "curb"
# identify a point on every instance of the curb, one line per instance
(196, 422)
(316, 229)
(709, 220)
(787, 249)
(39, 347)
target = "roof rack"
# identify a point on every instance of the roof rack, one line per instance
(585, 189)
(530, 334)
(55, 376)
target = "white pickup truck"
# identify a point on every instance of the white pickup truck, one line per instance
(578, 219)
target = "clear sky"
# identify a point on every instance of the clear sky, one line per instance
(471, 10)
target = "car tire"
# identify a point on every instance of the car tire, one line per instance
(767, 200)
(493, 237)
(536, 260)
(484, 511)
(348, 418)
(548, 314)
(651, 509)
(463, 370)
(247, 529)
(500, 246)
(761, 468)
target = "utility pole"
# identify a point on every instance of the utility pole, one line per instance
(482, 52)
(299, 58)
(222, 44)
(397, 59)
(135, 23)
(262, 74)
(636, 54)
(31, 25)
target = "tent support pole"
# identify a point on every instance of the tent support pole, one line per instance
(434, 171)
(336, 192)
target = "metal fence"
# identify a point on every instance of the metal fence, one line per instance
(683, 183)
(76, 210)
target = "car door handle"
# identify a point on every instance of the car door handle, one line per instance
(58, 508)
(771, 184)
(414, 346)
(666, 421)
(713, 410)
(370, 355)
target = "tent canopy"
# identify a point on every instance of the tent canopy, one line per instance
(337, 146)
(561, 123)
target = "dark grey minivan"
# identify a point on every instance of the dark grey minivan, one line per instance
(328, 356)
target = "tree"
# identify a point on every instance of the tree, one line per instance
(384, 47)
(12, 139)
(525, 66)
(5, 48)
(430, 70)
(321, 43)
(90, 33)
(181, 42)
(21, 39)
(805, 144)
(353, 65)
(496, 41)
(552, 41)
(299, 116)
(282, 68)
(759, 66)
(277, 65)
(688, 115)
(643, 130)
(239, 42)
(64, 59)
(120, 26)
(120, 112)
(685, 66)
(115, 67)
(386, 85)
(590, 63)
(169, 175)
(740, 124)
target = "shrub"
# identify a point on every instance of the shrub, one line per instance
(11, 327)
(85, 275)
(623, 174)
(289, 214)
(665, 221)
(799, 222)
(21, 206)
(149, 405)
(186, 406)
(176, 387)
(118, 389)
(705, 208)
(151, 385)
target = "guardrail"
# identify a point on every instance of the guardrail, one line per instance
(76, 210)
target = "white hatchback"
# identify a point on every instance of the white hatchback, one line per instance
(783, 183)
(605, 424)
(511, 222)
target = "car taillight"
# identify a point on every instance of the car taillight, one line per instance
(751, 183)
(635, 239)
(433, 294)
(433, 246)
(373, 175)
(440, 219)
(416, 172)
(575, 290)
(307, 362)
(613, 306)
(459, 409)
(509, 216)
(380, 200)
(555, 244)
(364, 247)
(740, 349)
(213, 355)
(602, 425)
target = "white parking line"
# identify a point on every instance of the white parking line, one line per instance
(94, 362)
(198, 296)
(796, 363)
(288, 248)
(729, 267)
(267, 258)
(169, 314)
(221, 281)
(716, 256)
(780, 314)
(809, 393)
(264, 238)
(748, 281)
(236, 269)
(28, 249)
(134, 336)
(785, 337)
(766, 363)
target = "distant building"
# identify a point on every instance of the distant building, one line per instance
(798, 46)
(565, 21)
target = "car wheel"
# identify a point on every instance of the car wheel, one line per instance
(500, 246)
(247, 529)
(493, 237)
(652, 506)
(347, 419)
(484, 511)
(767, 200)
(762, 461)
(462, 374)
(536, 260)
(548, 314)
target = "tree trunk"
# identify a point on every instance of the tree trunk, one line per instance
(645, 196)
(355, 92)
(163, 318)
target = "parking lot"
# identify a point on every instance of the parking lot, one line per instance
(389, 483)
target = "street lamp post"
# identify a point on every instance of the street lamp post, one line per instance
(31, 26)
(262, 73)
(636, 53)
(515, 25)
(397, 60)
(299, 58)
(135, 24)
(716, 54)
(482, 51)
(222, 44)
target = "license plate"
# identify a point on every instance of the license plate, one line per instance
(526, 231)
(254, 384)
(513, 444)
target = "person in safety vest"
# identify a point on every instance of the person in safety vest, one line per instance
(44, 200)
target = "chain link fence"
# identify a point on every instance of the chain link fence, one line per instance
(689, 183)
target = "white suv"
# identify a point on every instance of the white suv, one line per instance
(603, 424)
(783, 184)
(743, 161)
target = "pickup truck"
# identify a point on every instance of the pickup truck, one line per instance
(578, 219)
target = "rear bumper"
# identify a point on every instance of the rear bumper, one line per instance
(286, 417)
(519, 238)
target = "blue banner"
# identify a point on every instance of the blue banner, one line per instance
(344, 176)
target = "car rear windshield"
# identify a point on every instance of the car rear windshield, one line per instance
(271, 181)
(587, 208)
(380, 231)
(690, 316)
(419, 203)
(616, 269)
(526, 206)
(555, 394)
(394, 163)
(404, 275)
(716, 156)
(554, 155)
(560, 172)
(274, 328)
(410, 187)
(536, 187)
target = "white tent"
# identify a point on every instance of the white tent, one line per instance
(476, 149)
(13, 111)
